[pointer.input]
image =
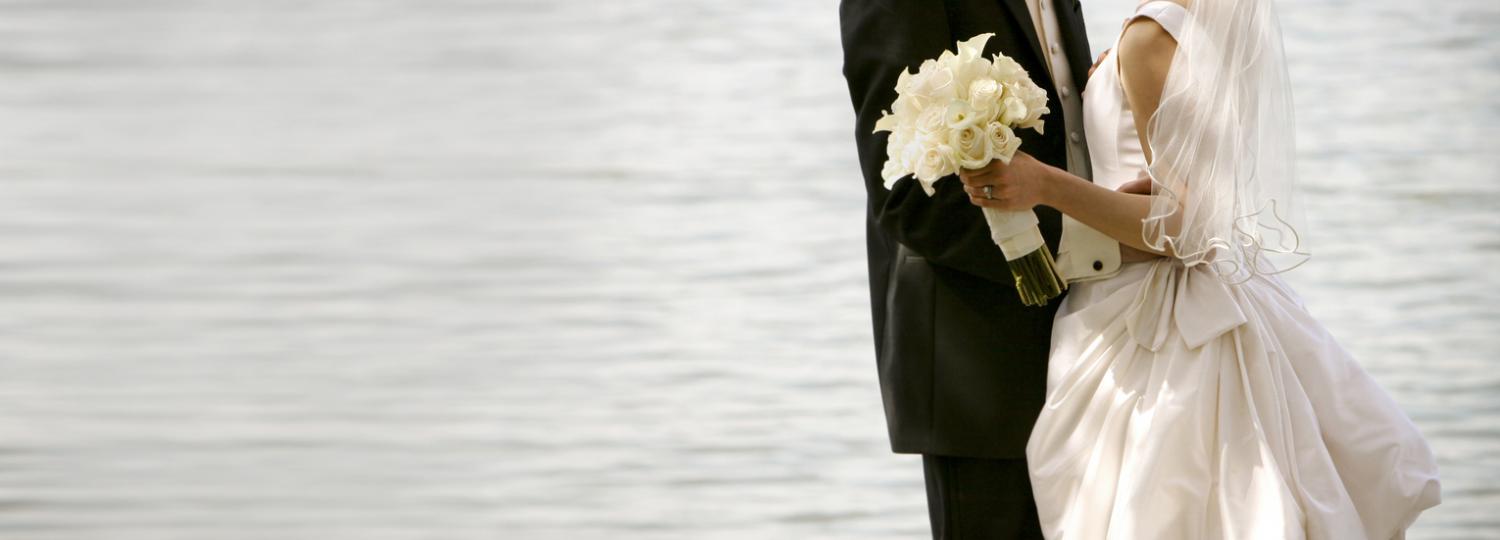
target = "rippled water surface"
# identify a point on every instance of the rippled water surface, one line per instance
(575, 270)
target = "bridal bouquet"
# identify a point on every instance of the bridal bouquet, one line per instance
(962, 110)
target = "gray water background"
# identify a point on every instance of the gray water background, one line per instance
(446, 269)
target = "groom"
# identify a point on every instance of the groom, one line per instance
(963, 364)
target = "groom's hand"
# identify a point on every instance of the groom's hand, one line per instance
(1140, 186)
(1098, 61)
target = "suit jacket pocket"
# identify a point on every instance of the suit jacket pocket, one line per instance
(906, 359)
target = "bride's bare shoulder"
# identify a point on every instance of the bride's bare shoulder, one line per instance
(1143, 42)
(1145, 56)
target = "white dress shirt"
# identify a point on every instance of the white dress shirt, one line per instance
(1084, 253)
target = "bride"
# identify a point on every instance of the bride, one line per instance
(1192, 396)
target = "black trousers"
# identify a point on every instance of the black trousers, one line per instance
(980, 499)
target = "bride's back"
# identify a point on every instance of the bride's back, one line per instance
(1115, 150)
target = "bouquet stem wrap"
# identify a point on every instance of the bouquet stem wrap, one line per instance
(1037, 280)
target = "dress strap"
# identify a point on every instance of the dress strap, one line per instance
(1170, 15)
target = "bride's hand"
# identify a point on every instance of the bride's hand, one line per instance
(1021, 185)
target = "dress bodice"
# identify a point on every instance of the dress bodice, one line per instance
(1114, 144)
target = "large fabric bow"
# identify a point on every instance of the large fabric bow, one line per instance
(1194, 299)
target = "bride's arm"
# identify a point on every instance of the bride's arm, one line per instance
(1145, 54)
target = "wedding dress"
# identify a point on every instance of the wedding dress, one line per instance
(1183, 405)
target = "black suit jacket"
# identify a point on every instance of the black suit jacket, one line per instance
(963, 365)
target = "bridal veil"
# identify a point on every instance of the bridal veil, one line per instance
(1223, 145)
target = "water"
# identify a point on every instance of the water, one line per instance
(574, 270)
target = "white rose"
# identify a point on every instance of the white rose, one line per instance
(1012, 110)
(1004, 69)
(1033, 123)
(911, 153)
(1033, 119)
(936, 162)
(905, 132)
(931, 120)
(1003, 141)
(906, 108)
(972, 145)
(910, 101)
(933, 83)
(1036, 105)
(984, 95)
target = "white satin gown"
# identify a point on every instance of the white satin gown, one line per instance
(1182, 407)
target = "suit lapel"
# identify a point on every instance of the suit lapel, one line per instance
(1022, 15)
(1075, 41)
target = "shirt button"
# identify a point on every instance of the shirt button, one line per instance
(1075, 137)
(1064, 92)
(1054, 48)
(1098, 265)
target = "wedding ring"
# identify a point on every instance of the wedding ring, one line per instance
(989, 192)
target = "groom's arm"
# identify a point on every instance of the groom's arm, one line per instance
(881, 39)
